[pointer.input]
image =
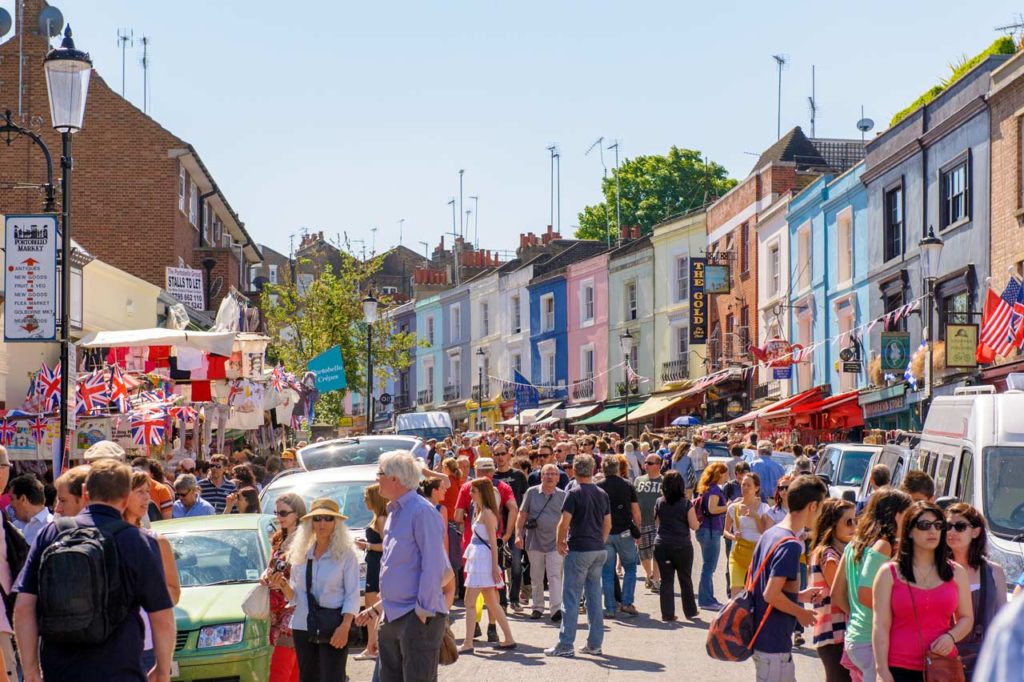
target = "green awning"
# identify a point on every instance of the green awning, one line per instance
(607, 415)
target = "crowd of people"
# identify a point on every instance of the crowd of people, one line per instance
(539, 525)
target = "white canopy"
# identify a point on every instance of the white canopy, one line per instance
(219, 343)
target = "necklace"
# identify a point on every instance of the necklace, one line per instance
(926, 576)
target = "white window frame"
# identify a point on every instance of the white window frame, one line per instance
(182, 183)
(428, 323)
(547, 323)
(516, 363)
(272, 273)
(631, 310)
(844, 244)
(845, 322)
(587, 307)
(682, 278)
(682, 342)
(515, 306)
(485, 320)
(774, 269)
(805, 369)
(455, 369)
(804, 258)
(456, 313)
(193, 203)
(547, 368)
(587, 373)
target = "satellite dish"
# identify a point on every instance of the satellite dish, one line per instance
(260, 282)
(865, 124)
(51, 22)
(5, 21)
(215, 287)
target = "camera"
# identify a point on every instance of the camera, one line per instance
(279, 566)
(530, 524)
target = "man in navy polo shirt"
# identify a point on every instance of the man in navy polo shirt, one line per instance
(142, 577)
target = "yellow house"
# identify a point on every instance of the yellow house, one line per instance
(675, 242)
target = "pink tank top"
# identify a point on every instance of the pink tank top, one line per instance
(935, 610)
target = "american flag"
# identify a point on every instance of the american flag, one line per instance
(1002, 325)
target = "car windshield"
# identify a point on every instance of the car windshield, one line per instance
(853, 467)
(717, 450)
(217, 557)
(345, 453)
(1003, 490)
(348, 495)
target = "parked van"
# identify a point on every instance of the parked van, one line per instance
(425, 425)
(972, 445)
(844, 466)
(898, 456)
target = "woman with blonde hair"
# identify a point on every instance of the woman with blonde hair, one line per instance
(373, 545)
(288, 509)
(712, 507)
(324, 586)
(746, 519)
(483, 575)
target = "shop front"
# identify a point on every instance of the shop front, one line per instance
(891, 408)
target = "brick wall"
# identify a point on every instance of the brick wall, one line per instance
(1007, 240)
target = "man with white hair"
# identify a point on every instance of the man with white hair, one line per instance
(768, 470)
(411, 571)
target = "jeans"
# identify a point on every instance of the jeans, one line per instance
(710, 546)
(409, 649)
(622, 546)
(551, 562)
(516, 583)
(675, 560)
(582, 574)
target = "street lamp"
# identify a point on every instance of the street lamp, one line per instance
(931, 252)
(370, 317)
(67, 84)
(480, 386)
(626, 344)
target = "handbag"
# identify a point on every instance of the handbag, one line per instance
(449, 649)
(257, 603)
(936, 668)
(320, 622)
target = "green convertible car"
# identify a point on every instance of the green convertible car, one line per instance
(220, 560)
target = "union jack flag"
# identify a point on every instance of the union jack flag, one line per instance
(148, 427)
(7, 431)
(184, 412)
(48, 387)
(92, 394)
(277, 379)
(38, 427)
(119, 390)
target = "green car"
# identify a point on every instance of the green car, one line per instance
(220, 560)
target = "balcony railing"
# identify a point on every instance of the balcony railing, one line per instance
(453, 392)
(769, 389)
(583, 390)
(401, 402)
(675, 370)
(358, 409)
(508, 392)
(425, 397)
(553, 393)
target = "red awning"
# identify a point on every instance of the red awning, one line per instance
(828, 403)
(798, 399)
(841, 410)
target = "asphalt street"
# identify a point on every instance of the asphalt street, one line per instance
(640, 647)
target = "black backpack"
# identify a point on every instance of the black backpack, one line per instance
(81, 597)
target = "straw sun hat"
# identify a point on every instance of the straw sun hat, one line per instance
(324, 507)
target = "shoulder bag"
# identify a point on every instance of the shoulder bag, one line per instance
(532, 523)
(936, 668)
(320, 622)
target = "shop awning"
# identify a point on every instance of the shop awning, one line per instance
(798, 399)
(654, 405)
(843, 408)
(605, 416)
(578, 412)
(530, 416)
(219, 343)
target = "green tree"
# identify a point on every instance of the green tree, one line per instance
(652, 189)
(303, 323)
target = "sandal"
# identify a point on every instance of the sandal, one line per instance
(365, 656)
(507, 645)
(465, 650)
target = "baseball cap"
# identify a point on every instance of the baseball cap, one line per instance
(485, 464)
(104, 449)
(288, 454)
(765, 446)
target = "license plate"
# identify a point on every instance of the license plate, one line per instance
(175, 672)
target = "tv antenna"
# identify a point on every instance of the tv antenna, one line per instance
(373, 244)
(618, 211)
(426, 250)
(401, 224)
(476, 220)
(599, 143)
(51, 22)
(812, 103)
(145, 74)
(1014, 29)
(864, 124)
(781, 61)
(125, 37)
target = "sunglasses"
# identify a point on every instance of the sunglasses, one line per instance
(939, 525)
(322, 519)
(216, 466)
(782, 488)
(284, 513)
(653, 464)
(959, 526)
(180, 495)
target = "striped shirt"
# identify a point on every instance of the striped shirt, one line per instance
(830, 622)
(216, 495)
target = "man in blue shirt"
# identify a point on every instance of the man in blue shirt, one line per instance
(189, 502)
(412, 570)
(142, 578)
(767, 469)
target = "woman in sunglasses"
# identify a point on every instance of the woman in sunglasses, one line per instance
(832, 533)
(967, 538)
(289, 508)
(922, 600)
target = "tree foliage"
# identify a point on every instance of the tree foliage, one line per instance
(305, 321)
(652, 189)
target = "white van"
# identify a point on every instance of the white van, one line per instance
(972, 445)
(844, 466)
(425, 425)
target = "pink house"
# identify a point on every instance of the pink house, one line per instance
(587, 296)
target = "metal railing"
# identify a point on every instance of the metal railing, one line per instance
(675, 370)
(583, 390)
(401, 402)
(769, 389)
(425, 397)
(553, 392)
(452, 392)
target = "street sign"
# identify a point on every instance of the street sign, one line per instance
(851, 367)
(329, 369)
(385, 398)
(30, 278)
(186, 285)
(779, 373)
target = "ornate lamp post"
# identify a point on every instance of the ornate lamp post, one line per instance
(370, 317)
(626, 344)
(931, 252)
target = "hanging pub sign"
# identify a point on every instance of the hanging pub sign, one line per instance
(961, 345)
(716, 279)
(850, 360)
(895, 350)
(698, 302)
(30, 278)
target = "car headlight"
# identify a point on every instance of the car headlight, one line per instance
(220, 635)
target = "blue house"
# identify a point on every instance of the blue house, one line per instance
(403, 320)
(429, 391)
(457, 365)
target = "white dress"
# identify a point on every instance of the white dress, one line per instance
(479, 565)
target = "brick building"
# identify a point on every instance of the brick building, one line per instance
(1006, 101)
(142, 198)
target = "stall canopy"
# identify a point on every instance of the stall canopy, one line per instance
(531, 416)
(654, 405)
(841, 410)
(798, 399)
(573, 413)
(218, 343)
(605, 416)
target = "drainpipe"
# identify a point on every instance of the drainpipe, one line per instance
(202, 215)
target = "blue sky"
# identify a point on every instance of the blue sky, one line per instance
(339, 116)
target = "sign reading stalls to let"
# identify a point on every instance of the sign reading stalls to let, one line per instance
(698, 302)
(186, 285)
